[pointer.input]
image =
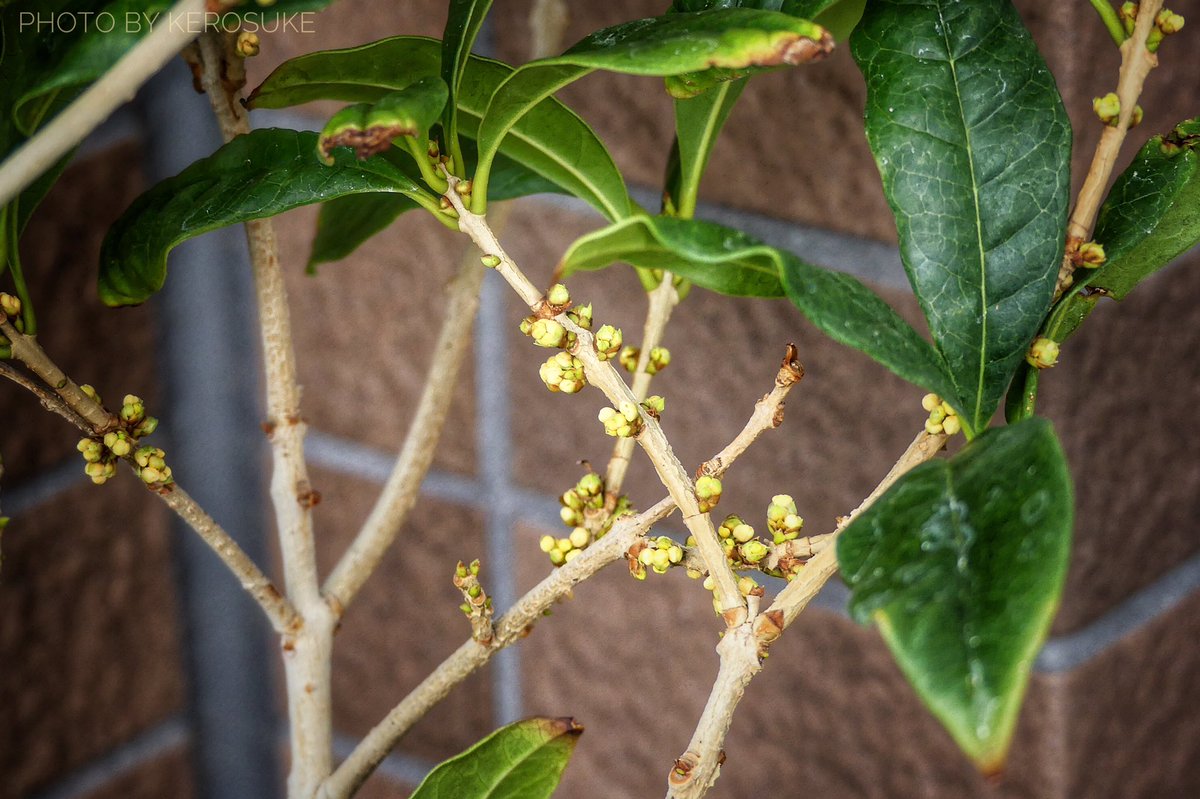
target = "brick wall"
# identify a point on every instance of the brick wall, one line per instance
(94, 696)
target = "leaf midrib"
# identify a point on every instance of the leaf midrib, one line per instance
(983, 309)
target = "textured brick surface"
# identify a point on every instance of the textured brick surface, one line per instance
(405, 621)
(365, 330)
(112, 350)
(88, 634)
(166, 776)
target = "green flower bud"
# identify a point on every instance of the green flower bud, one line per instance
(709, 583)
(661, 562)
(1043, 353)
(92, 450)
(743, 533)
(581, 316)
(572, 499)
(951, 426)
(655, 404)
(9, 304)
(563, 372)
(91, 392)
(660, 358)
(608, 342)
(753, 551)
(570, 556)
(930, 401)
(547, 543)
(145, 427)
(557, 557)
(580, 538)
(463, 187)
(746, 585)
(1107, 108)
(708, 492)
(629, 358)
(675, 553)
(558, 295)
(133, 410)
(1128, 15)
(623, 423)
(150, 475)
(564, 545)
(570, 516)
(646, 556)
(591, 484)
(490, 261)
(119, 443)
(247, 44)
(547, 333)
(1168, 22)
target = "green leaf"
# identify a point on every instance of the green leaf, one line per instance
(255, 176)
(462, 28)
(698, 122)
(524, 760)
(1152, 214)
(729, 262)
(974, 146)
(369, 128)
(550, 140)
(673, 44)
(961, 564)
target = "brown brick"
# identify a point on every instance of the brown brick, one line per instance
(111, 349)
(365, 330)
(405, 621)
(88, 631)
(169, 775)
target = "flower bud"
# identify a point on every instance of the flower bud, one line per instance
(133, 410)
(629, 358)
(1107, 108)
(1043, 353)
(547, 543)
(951, 426)
(563, 372)
(247, 44)
(558, 295)
(1168, 22)
(591, 484)
(547, 333)
(490, 261)
(91, 392)
(623, 423)
(655, 405)
(661, 561)
(1091, 254)
(145, 427)
(930, 401)
(608, 342)
(582, 316)
(753, 551)
(660, 358)
(580, 538)
(9, 304)
(708, 492)
(92, 450)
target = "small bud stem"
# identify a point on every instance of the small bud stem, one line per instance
(421, 156)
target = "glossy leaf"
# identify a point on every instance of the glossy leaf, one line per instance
(974, 146)
(255, 176)
(672, 44)
(729, 262)
(346, 222)
(550, 140)
(463, 22)
(698, 122)
(961, 564)
(524, 760)
(369, 128)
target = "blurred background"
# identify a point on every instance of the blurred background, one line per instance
(132, 666)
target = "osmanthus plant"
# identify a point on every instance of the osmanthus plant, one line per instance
(958, 560)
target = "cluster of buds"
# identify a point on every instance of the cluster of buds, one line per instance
(1089, 255)
(1166, 22)
(582, 316)
(563, 550)
(563, 372)
(133, 413)
(782, 520)
(659, 554)
(740, 544)
(477, 605)
(608, 341)
(942, 417)
(587, 494)
(9, 304)
(1043, 353)
(747, 587)
(660, 358)
(708, 492)
(545, 332)
(622, 422)
(1108, 109)
(101, 461)
(152, 467)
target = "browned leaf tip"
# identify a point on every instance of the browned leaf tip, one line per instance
(802, 50)
(365, 142)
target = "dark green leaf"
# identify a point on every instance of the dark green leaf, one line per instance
(961, 564)
(974, 146)
(462, 28)
(369, 128)
(730, 262)
(551, 140)
(1152, 214)
(698, 122)
(255, 176)
(673, 44)
(524, 760)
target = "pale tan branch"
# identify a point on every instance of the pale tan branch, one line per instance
(402, 488)
(663, 300)
(93, 419)
(48, 399)
(517, 622)
(603, 376)
(1136, 64)
(741, 648)
(113, 89)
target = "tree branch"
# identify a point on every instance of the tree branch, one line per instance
(93, 419)
(602, 375)
(1136, 63)
(25, 164)
(403, 485)
(663, 300)
(515, 624)
(742, 648)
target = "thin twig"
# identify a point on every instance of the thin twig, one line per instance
(92, 419)
(374, 747)
(742, 648)
(403, 485)
(49, 400)
(603, 376)
(85, 114)
(663, 300)
(1136, 63)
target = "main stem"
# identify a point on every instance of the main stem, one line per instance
(308, 650)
